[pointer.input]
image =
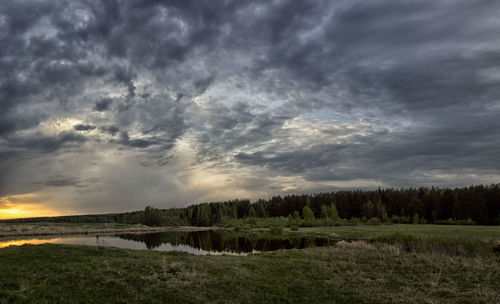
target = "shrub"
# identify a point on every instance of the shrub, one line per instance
(375, 221)
(395, 219)
(354, 221)
(451, 221)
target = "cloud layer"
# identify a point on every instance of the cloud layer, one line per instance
(113, 105)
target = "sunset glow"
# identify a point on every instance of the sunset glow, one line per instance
(4, 244)
(22, 206)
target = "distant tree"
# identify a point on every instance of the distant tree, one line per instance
(151, 216)
(307, 213)
(334, 214)
(325, 211)
(205, 215)
(251, 212)
(308, 201)
(234, 211)
(367, 210)
(415, 218)
(385, 217)
(261, 212)
(219, 215)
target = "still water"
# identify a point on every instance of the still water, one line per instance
(198, 242)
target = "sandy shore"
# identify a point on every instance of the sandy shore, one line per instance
(39, 229)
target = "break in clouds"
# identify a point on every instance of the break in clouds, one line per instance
(113, 105)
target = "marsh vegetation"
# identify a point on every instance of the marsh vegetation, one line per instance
(370, 264)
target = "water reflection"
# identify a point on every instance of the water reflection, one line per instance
(199, 242)
(226, 241)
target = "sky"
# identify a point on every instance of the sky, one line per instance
(110, 106)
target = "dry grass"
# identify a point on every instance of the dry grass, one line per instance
(356, 272)
(355, 244)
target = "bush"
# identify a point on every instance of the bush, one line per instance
(451, 221)
(354, 221)
(294, 228)
(375, 221)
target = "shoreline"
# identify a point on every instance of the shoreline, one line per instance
(48, 229)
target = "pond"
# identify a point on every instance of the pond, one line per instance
(195, 242)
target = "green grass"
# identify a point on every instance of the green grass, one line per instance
(425, 231)
(396, 264)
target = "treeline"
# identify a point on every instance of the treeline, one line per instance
(475, 204)
(149, 216)
(467, 205)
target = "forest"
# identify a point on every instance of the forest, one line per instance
(467, 205)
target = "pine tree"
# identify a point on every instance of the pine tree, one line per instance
(205, 215)
(251, 212)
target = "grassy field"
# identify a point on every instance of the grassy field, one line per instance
(365, 232)
(440, 266)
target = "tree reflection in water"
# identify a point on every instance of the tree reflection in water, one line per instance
(221, 241)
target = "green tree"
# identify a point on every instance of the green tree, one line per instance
(219, 215)
(296, 215)
(205, 215)
(261, 212)
(415, 218)
(334, 213)
(307, 213)
(385, 217)
(325, 213)
(234, 211)
(367, 209)
(151, 216)
(251, 212)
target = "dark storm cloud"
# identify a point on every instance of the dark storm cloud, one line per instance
(110, 129)
(103, 104)
(396, 91)
(84, 127)
(46, 144)
(62, 181)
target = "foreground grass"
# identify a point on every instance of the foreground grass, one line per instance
(357, 272)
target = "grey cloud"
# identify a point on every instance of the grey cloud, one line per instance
(226, 79)
(103, 104)
(110, 129)
(84, 127)
(135, 143)
(62, 181)
(47, 144)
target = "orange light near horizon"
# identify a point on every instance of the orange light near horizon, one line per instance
(4, 244)
(23, 206)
